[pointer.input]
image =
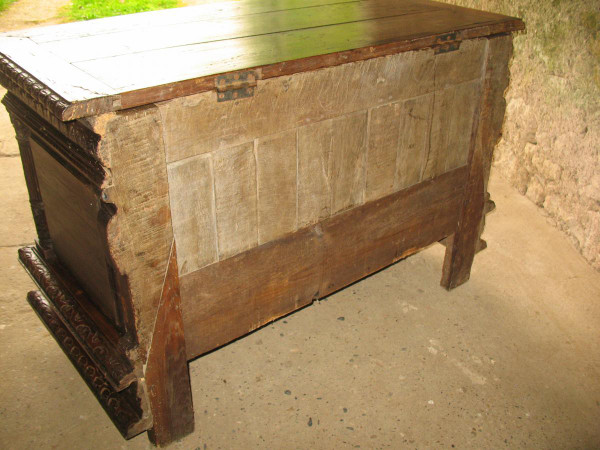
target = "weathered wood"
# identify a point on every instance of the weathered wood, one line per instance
(72, 209)
(276, 168)
(399, 144)
(233, 297)
(23, 135)
(121, 407)
(226, 300)
(235, 192)
(140, 233)
(193, 212)
(167, 374)
(453, 113)
(486, 129)
(415, 141)
(199, 124)
(74, 84)
(382, 151)
(384, 231)
(314, 162)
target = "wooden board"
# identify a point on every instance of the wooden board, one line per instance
(226, 300)
(79, 70)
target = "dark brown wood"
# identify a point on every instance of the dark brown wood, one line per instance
(115, 367)
(384, 231)
(122, 407)
(274, 39)
(233, 297)
(67, 180)
(23, 135)
(487, 126)
(167, 374)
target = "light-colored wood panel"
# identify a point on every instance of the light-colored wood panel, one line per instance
(235, 193)
(193, 213)
(199, 124)
(348, 135)
(382, 150)
(276, 167)
(460, 66)
(314, 165)
(466, 97)
(415, 124)
(453, 111)
(140, 234)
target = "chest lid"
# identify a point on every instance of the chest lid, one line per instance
(82, 69)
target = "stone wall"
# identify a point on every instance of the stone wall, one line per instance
(550, 150)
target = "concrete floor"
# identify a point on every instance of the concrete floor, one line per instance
(509, 360)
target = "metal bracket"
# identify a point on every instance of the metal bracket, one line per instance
(446, 43)
(233, 86)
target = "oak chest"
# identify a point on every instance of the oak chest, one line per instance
(197, 173)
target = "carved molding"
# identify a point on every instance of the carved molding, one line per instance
(120, 406)
(115, 366)
(16, 77)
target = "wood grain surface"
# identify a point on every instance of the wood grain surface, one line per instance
(226, 300)
(110, 64)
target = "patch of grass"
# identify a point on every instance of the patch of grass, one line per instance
(5, 4)
(94, 9)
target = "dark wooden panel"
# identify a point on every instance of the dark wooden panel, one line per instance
(167, 372)
(226, 300)
(98, 340)
(366, 239)
(74, 212)
(231, 298)
(122, 407)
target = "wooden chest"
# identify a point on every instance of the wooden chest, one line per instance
(197, 173)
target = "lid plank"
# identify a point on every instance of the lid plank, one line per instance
(110, 64)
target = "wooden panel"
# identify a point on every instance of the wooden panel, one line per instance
(199, 124)
(414, 144)
(460, 66)
(348, 141)
(399, 143)
(235, 192)
(226, 300)
(384, 231)
(451, 128)
(204, 59)
(146, 38)
(167, 374)
(276, 180)
(314, 161)
(193, 212)
(105, 66)
(72, 213)
(382, 150)
(140, 233)
(486, 131)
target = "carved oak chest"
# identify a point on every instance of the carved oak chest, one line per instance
(197, 173)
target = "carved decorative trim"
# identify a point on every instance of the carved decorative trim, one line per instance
(75, 130)
(120, 406)
(115, 366)
(17, 78)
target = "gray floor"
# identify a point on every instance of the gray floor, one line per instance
(511, 359)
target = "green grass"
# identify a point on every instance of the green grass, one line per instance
(5, 4)
(94, 9)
